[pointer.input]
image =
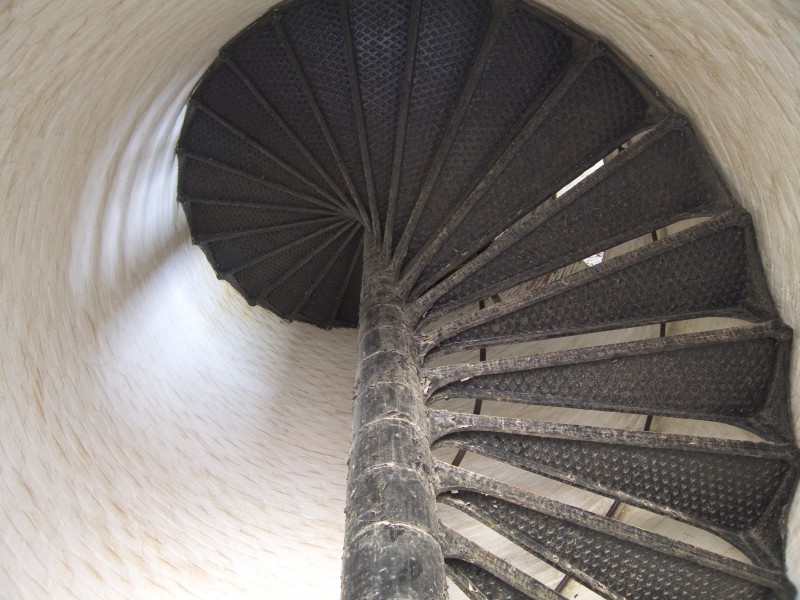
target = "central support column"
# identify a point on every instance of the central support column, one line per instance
(391, 546)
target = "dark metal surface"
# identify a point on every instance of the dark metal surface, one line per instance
(615, 560)
(479, 572)
(700, 272)
(661, 179)
(724, 486)
(418, 146)
(392, 548)
(526, 59)
(313, 32)
(598, 111)
(732, 376)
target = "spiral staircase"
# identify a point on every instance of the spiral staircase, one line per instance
(482, 152)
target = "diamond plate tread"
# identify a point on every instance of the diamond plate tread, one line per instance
(216, 220)
(478, 584)
(602, 561)
(704, 271)
(234, 254)
(449, 36)
(314, 30)
(663, 179)
(290, 292)
(601, 110)
(268, 267)
(324, 300)
(735, 376)
(263, 58)
(203, 178)
(494, 577)
(380, 33)
(223, 92)
(728, 488)
(527, 57)
(203, 135)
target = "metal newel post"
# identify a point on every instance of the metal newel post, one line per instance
(391, 545)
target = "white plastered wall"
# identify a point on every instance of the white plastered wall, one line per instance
(159, 438)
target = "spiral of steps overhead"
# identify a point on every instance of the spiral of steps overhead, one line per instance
(489, 148)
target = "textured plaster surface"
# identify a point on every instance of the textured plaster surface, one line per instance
(154, 430)
(150, 426)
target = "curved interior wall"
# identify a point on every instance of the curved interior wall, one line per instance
(159, 438)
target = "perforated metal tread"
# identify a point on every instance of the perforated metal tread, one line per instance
(445, 130)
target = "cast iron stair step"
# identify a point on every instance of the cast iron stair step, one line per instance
(210, 179)
(233, 98)
(212, 137)
(595, 106)
(259, 275)
(481, 575)
(731, 488)
(319, 46)
(252, 226)
(262, 59)
(479, 584)
(613, 559)
(378, 32)
(661, 179)
(347, 314)
(319, 308)
(509, 81)
(710, 270)
(451, 41)
(289, 294)
(734, 376)
(235, 256)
